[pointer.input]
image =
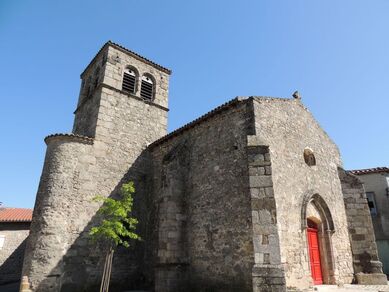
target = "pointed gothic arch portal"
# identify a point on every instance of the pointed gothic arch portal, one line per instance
(318, 227)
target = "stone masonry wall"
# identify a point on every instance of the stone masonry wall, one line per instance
(204, 225)
(288, 129)
(88, 104)
(118, 60)
(268, 273)
(60, 255)
(11, 255)
(60, 212)
(378, 183)
(364, 248)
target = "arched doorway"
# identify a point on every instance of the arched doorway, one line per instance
(316, 220)
(314, 252)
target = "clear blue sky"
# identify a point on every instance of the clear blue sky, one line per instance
(336, 53)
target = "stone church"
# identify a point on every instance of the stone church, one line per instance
(249, 197)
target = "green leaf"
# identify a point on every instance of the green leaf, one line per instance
(117, 226)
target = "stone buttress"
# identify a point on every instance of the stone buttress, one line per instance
(203, 237)
(367, 267)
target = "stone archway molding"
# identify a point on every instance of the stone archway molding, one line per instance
(327, 229)
(321, 206)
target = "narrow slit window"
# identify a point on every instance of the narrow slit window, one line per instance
(129, 81)
(371, 202)
(147, 88)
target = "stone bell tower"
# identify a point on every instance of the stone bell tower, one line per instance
(122, 107)
(120, 80)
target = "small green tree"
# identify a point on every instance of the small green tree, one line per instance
(117, 227)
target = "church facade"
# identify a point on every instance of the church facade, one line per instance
(249, 197)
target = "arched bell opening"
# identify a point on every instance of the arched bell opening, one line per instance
(318, 225)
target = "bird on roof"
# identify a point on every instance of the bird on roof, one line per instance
(296, 95)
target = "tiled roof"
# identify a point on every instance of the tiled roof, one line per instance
(233, 102)
(15, 215)
(76, 137)
(166, 70)
(133, 54)
(370, 170)
(199, 120)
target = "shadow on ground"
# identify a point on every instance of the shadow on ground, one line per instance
(11, 287)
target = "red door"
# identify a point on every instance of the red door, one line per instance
(314, 254)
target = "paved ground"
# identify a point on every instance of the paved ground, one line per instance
(14, 287)
(322, 288)
(351, 288)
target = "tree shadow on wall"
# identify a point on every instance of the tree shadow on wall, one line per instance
(11, 269)
(81, 268)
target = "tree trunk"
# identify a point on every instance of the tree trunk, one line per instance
(107, 271)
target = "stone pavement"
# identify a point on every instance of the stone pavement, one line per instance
(13, 287)
(322, 288)
(351, 288)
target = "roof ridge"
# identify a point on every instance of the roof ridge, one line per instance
(200, 119)
(214, 111)
(370, 170)
(136, 55)
(3, 207)
(140, 57)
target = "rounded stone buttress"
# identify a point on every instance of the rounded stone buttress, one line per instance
(67, 155)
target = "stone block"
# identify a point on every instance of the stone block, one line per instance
(358, 237)
(261, 181)
(371, 279)
(269, 192)
(268, 170)
(255, 217)
(258, 257)
(255, 159)
(255, 171)
(172, 234)
(257, 142)
(266, 204)
(271, 271)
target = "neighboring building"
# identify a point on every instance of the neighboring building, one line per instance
(249, 197)
(14, 229)
(376, 182)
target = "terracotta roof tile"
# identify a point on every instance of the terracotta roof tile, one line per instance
(233, 102)
(199, 120)
(127, 51)
(164, 69)
(15, 215)
(370, 170)
(75, 137)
